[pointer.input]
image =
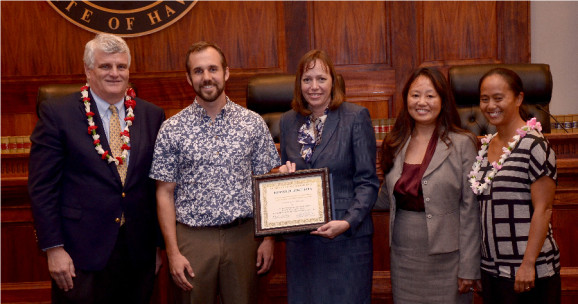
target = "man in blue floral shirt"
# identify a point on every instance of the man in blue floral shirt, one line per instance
(203, 161)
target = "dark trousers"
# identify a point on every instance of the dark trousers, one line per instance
(119, 282)
(496, 290)
(321, 271)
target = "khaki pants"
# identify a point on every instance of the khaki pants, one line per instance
(223, 262)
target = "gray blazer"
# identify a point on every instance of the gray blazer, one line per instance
(451, 208)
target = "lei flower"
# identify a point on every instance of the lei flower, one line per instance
(129, 103)
(476, 185)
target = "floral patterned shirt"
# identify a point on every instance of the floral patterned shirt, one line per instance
(211, 162)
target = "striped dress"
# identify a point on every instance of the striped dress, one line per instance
(506, 210)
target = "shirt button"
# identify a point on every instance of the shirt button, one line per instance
(425, 182)
(117, 220)
(427, 199)
(123, 194)
(429, 216)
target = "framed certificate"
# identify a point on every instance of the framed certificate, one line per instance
(291, 202)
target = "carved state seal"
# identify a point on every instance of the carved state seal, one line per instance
(123, 18)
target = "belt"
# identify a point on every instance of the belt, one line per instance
(235, 223)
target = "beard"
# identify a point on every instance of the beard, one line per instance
(212, 96)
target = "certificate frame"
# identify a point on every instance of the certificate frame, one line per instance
(291, 202)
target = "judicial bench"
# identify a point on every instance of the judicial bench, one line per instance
(25, 277)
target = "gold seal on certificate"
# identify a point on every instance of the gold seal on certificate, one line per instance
(291, 202)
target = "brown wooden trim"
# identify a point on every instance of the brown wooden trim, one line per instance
(26, 292)
(569, 276)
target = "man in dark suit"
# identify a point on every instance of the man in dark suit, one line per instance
(93, 204)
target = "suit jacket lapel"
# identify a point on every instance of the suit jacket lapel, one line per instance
(441, 153)
(400, 159)
(328, 129)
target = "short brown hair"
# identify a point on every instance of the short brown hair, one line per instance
(200, 46)
(307, 62)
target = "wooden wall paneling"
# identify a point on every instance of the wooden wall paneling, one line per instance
(351, 32)
(22, 261)
(356, 36)
(249, 32)
(167, 90)
(26, 292)
(381, 241)
(566, 175)
(443, 34)
(252, 35)
(377, 104)
(513, 20)
(19, 93)
(36, 40)
(563, 147)
(20, 124)
(404, 41)
(18, 97)
(246, 31)
(271, 42)
(569, 278)
(455, 32)
(297, 32)
(565, 226)
(369, 85)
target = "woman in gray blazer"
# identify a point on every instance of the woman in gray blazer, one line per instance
(434, 217)
(334, 263)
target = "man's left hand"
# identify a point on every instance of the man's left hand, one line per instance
(265, 255)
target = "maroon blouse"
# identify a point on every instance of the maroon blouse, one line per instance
(407, 191)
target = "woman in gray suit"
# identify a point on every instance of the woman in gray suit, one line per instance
(333, 264)
(434, 217)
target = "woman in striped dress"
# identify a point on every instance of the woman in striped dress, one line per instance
(514, 179)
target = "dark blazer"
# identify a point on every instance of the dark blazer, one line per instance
(76, 196)
(452, 212)
(348, 149)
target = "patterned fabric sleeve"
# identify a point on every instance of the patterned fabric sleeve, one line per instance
(265, 156)
(165, 157)
(542, 160)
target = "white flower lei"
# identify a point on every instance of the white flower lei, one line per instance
(124, 135)
(478, 187)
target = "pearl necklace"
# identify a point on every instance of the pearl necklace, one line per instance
(124, 135)
(478, 187)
